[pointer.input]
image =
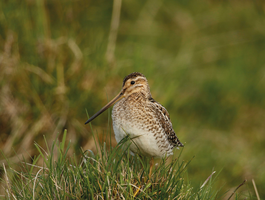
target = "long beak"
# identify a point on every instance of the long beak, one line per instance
(113, 101)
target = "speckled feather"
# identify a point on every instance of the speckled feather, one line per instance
(140, 116)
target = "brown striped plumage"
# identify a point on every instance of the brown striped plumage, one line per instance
(136, 113)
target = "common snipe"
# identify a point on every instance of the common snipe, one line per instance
(138, 115)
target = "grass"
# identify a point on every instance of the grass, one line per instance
(109, 174)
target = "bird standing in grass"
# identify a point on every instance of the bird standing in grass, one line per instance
(138, 115)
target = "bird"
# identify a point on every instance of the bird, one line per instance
(137, 114)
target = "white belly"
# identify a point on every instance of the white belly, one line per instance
(142, 142)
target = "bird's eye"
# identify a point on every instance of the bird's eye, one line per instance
(132, 82)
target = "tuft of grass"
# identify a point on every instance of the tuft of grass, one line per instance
(108, 174)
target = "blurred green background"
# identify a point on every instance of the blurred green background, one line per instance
(205, 62)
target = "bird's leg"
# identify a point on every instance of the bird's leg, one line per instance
(151, 166)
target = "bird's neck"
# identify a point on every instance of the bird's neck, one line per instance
(139, 96)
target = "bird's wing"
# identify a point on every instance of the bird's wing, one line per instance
(163, 116)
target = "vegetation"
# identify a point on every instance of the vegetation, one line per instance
(204, 61)
(110, 174)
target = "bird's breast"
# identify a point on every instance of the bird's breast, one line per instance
(140, 124)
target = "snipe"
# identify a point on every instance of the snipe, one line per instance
(138, 115)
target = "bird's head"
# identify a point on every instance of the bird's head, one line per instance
(133, 83)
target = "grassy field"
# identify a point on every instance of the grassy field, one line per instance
(204, 61)
(109, 174)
